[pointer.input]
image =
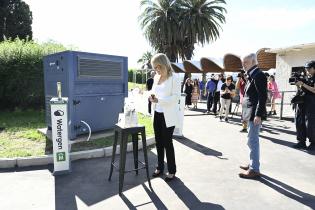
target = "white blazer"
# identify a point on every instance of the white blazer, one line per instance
(169, 103)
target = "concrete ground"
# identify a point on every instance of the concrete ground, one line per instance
(208, 160)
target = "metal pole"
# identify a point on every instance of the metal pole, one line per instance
(281, 105)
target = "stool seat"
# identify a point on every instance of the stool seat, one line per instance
(124, 133)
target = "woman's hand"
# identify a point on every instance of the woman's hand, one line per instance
(153, 100)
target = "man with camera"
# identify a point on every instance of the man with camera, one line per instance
(305, 108)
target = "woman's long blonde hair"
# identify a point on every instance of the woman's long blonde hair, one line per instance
(161, 59)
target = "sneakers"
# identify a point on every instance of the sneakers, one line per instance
(226, 119)
(300, 145)
(221, 118)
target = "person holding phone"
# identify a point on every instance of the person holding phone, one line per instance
(165, 98)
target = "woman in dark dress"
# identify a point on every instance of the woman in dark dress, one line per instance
(188, 91)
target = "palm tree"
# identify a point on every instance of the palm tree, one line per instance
(199, 23)
(175, 26)
(160, 23)
(145, 60)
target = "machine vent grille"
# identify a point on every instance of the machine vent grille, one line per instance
(99, 68)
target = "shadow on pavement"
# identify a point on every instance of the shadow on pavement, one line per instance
(269, 129)
(88, 181)
(277, 141)
(189, 198)
(198, 147)
(289, 191)
(154, 199)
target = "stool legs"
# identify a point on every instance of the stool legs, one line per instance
(113, 156)
(144, 143)
(122, 161)
(135, 150)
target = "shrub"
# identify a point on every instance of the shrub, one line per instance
(21, 73)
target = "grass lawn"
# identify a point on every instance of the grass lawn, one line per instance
(132, 85)
(20, 137)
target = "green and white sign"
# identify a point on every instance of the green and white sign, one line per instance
(59, 124)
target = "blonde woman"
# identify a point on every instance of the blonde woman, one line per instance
(165, 97)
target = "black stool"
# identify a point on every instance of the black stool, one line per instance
(124, 132)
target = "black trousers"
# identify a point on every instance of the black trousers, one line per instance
(305, 124)
(209, 101)
(216, 100)
(300, 123)
(149, 106)
(164, 141)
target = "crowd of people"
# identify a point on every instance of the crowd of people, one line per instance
(253, 88)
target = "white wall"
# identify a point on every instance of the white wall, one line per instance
(284, 64)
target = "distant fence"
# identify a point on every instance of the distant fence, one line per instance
(285, 104)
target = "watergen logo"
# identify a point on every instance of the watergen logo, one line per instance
(59, 133)
(61, 156)
(59, 113)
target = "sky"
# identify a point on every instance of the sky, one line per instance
(112, 27)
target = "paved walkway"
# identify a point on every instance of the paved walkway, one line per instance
(207, 163)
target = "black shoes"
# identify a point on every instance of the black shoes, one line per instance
(300, 145)
(311, 147)
(157, 174)
(226, 120)
(168, 179)
(272, 113)
(244, 130)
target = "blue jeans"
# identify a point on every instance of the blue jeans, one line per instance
(253, 144)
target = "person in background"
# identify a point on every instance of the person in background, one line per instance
(210, 88)
(216, 98)
(255, 102)
(227, 92)
(201, 89)
(149, 85)
(274, 94)
(240, 84)
(165, 97)
(305, 112)
(195, 93)
(188, 91)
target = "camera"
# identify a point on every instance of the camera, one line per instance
(241, 74)
(298, 76)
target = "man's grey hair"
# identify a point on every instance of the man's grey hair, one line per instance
(152, 73)
(251, 57)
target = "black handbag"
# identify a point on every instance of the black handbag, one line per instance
(298, 99)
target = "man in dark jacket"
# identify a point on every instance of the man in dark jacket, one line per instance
(255, 98)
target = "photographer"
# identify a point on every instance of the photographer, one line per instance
(305, 112)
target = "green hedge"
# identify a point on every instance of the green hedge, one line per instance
(21, 73)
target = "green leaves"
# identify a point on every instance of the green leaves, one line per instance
(174, 26)
(15, 20)
(21, 73)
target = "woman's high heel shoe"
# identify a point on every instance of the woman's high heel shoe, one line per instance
(157, 173)
(169, 178)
